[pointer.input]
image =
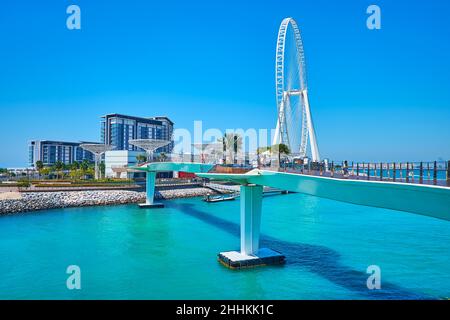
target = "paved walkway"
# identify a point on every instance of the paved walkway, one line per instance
(10, 195)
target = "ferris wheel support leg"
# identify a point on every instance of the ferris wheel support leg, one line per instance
(276, 137)
(281, 135)
(312, 134)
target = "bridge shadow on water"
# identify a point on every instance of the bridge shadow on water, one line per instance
(316, 259)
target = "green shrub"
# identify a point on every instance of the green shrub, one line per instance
(23, 183)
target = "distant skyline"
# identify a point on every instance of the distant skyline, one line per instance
(376, 95)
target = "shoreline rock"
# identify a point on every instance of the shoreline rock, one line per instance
(67, 199)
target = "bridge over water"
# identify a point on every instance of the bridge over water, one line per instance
(428, 200)
(294, 129)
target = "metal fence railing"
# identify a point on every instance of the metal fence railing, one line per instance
(430, 172)
(173, 157)
(425, 172)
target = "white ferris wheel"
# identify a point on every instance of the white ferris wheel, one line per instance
(294, 125)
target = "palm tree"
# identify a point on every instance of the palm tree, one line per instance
(102, 169)
(263, 149)
(141, 158)
(162, 156)
(281, 149)
(39, 166)
(59, 166)
(45, 171)
(232, 143)
(84, 166)
(74, 166)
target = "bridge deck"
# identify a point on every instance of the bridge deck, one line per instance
(424, 199)
(426, 180)
(427, 200)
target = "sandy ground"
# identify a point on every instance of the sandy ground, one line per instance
(10, 196)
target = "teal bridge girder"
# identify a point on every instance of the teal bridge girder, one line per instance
(432, 201)
(428, 200)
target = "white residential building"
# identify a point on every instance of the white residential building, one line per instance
(117, 161)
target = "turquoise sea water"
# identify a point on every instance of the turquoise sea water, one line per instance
(129, 253)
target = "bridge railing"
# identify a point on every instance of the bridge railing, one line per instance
(174, 157)
(426, 172)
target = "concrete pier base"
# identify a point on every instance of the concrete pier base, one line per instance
(238, 260)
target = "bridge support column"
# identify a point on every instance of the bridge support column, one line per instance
(251, 202)
(250, 254)
(150, 192)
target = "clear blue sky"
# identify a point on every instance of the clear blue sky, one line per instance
(375, 95)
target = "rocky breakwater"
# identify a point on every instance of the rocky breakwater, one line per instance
(53, 200)
(183, 193)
